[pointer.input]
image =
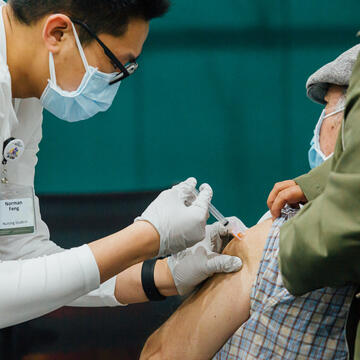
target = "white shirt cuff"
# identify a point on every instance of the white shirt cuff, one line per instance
(90, 268)
(107, 293)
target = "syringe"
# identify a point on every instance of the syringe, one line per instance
(217, 215)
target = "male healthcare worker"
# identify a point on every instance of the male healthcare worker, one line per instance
(321, 245)
(56, 54)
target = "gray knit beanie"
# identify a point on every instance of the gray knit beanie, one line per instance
(337, 72)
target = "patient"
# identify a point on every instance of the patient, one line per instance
(273, 324)
(252, 307)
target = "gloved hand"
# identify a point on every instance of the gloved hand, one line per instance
(179, 226)
(194, 265)
(218, 236)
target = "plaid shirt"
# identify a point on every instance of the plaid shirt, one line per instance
(282, 326)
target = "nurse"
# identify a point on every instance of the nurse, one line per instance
(69, 57)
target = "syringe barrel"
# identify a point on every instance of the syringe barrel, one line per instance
(215, 212)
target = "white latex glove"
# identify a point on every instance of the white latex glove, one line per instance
(179, 225)
(218, 236)
(194, 265)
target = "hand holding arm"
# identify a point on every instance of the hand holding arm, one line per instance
(192, 266)
(285, 192)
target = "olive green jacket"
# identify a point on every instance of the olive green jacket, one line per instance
(321, 245)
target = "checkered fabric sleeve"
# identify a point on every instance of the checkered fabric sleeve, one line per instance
(282, 326)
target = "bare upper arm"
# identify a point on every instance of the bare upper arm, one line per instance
(205, 321)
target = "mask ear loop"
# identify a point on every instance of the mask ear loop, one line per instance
(52, 68)
(81, 50)
(318, 149)
(318, 125)
(82, 55)
(334, 112)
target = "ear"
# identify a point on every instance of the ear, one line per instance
(55, 28)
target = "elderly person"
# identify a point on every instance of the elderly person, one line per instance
(253, 307)
(329, 242)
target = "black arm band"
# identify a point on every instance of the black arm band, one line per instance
(148, 282)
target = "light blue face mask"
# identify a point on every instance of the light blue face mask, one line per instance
(93, 95)
(316, 156)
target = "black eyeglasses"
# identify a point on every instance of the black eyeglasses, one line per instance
(126, 70)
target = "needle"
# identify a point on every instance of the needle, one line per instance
(217, 215)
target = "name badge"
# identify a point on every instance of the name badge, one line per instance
(17, 210)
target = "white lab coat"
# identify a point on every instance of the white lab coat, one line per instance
(61, 277)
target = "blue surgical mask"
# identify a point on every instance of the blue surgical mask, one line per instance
(93, 95)
(316, 156)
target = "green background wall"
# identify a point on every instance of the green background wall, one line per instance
(219, 95)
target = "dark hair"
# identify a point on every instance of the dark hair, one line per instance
(102, 16)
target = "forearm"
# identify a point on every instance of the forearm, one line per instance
(117, 252)
(129, 281)
(129, 289)
(105, 295)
